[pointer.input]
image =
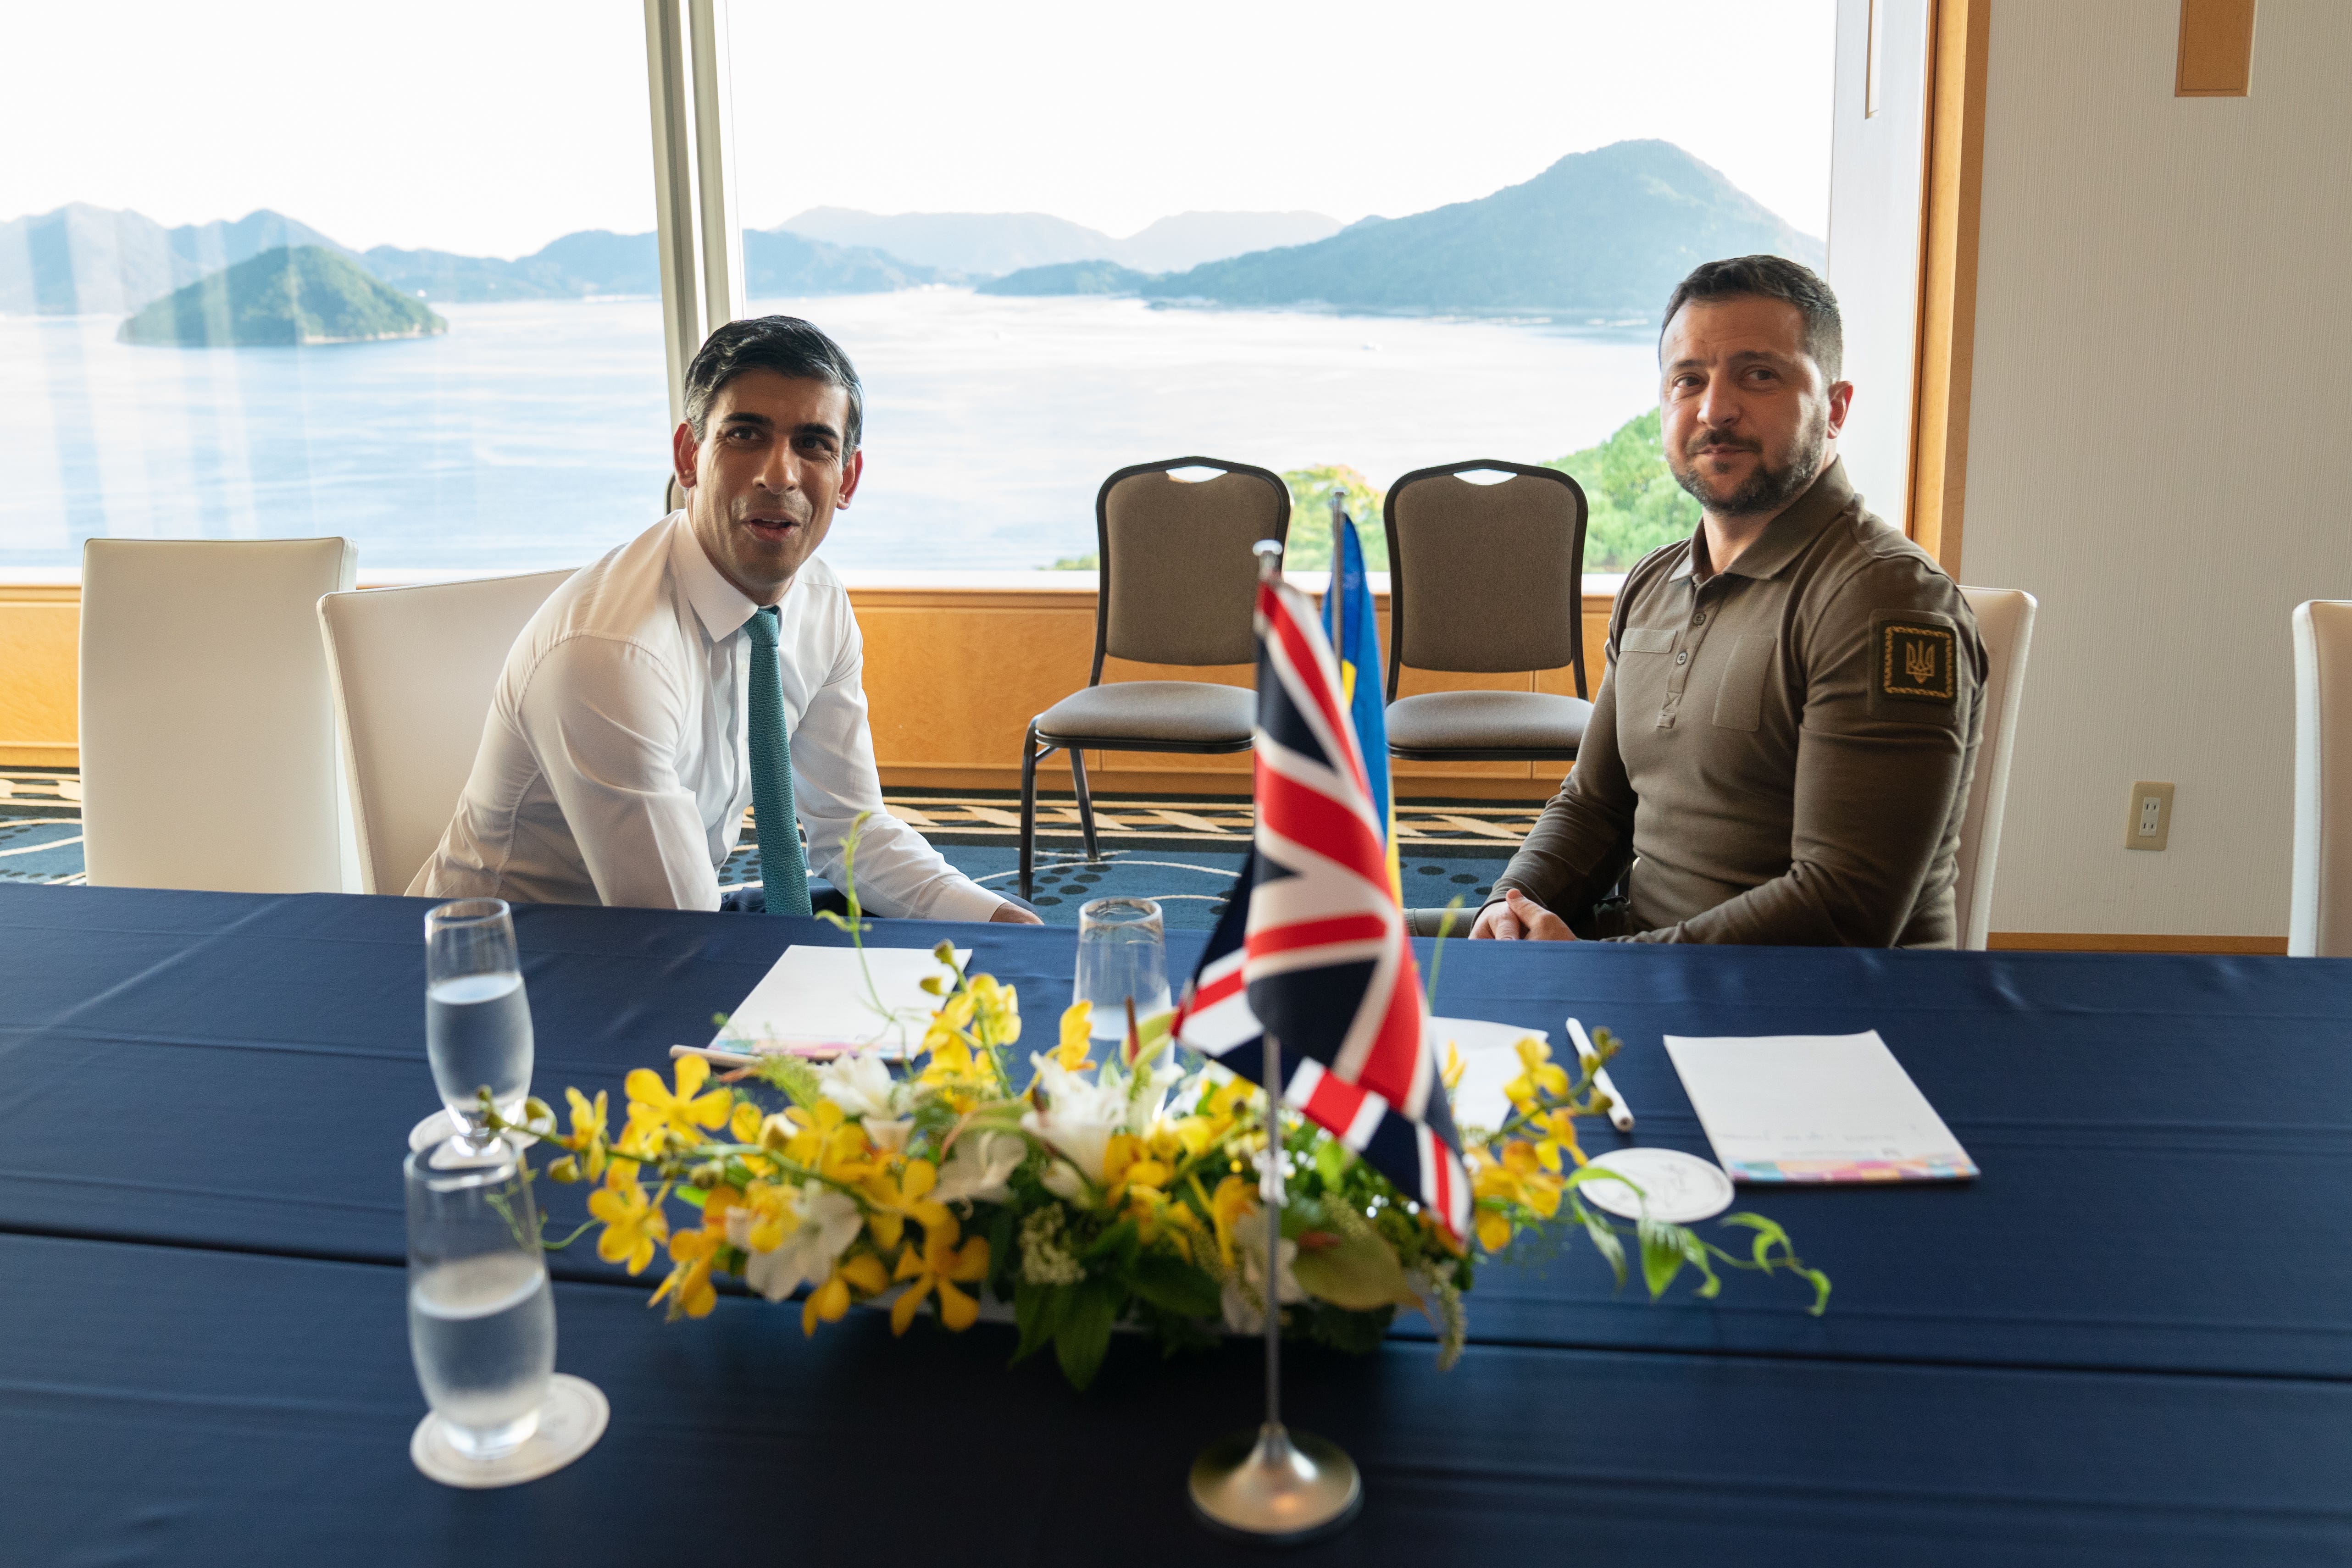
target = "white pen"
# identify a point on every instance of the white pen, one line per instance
(1621, 1115)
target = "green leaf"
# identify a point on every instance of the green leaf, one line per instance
(1037, 1313)
(1003, 1255)
(1359, 1273)
(1604, 1241)
(1116, 1244)
(1176, 1287)
(1332, 1159)
(1662, 1255)
(1083, 1337)
(1352, 1334)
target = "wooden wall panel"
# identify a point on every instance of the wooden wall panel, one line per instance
(40, 655)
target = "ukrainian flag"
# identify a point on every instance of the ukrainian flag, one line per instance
(1355, 637)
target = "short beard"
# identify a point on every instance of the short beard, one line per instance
(1768, 490)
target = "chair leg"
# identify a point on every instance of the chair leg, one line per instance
(1030, 756)
(1085, 802)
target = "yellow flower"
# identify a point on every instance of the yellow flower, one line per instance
(693, 1252)
(999, 1009)
(900, 1199)
(1517, 1180)
(685, 1114)
(827, 1143)
(940, 1264)
(586, 1137)
(632, 1223)
(1077, 1024)
(769, 1207)
(743, 1127)
(1235, 1197)
(1560, 1138)
(1541, 1076)
(829, 1301)
(1127, 1162)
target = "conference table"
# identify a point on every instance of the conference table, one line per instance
(2129, 1340)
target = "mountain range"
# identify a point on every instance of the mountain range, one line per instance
(987, 244)
(1601, 234)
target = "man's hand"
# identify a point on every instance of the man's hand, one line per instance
(1518, 917)
(1012, 914)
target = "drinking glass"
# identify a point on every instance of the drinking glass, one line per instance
(481, 1315)
(1122, 954)
(476, 1017)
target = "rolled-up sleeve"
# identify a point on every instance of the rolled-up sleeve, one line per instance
(898, 873)
(602, 715)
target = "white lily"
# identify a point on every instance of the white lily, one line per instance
(1243, 1313)
(861, 1084)
(980, 1166)
(889, 1135)
(828, 1222)
(1076, 1122)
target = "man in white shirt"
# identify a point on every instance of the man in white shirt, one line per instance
(628, 732)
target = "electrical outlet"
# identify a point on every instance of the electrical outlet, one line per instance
(2148, 825)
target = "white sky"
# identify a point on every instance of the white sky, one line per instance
(489, 127)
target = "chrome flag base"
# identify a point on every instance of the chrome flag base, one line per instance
(1277, 1486)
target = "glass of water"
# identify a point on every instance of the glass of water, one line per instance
(1122, 954)
(481, 1315)
(476, 1017)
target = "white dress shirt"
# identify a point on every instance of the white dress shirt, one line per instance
(614, 765)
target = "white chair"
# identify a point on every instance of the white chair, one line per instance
(2005, 622)
(2319, 903)
(413, 670)
(207, 732)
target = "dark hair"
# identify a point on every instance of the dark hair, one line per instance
(1771, 277)
(786, 344)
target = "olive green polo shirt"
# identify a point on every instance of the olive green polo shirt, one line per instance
(1782, 747)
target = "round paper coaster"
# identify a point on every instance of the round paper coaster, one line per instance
(1679, 1188)
(568, 1424)
(440, 1127)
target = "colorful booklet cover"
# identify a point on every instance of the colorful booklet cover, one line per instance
(1815, 1108)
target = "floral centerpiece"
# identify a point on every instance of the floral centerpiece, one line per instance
(1123, 1190)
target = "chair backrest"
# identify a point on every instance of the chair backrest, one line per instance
(207, 734)
(414, 672)
(2005, 622)
(1486, 577)
(2319, 907)
(1178, 582)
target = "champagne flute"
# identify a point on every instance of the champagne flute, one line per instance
(481, 1313)
(476, 1018)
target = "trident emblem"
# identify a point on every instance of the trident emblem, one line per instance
(1919, 661)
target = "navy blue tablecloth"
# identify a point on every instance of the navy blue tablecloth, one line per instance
(177, 1407)
(2167, 1142)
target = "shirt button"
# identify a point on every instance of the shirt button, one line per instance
(1682, 657)
(1699, 619)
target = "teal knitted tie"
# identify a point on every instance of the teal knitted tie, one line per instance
(778, 827)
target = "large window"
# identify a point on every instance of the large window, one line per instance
(220, 182)
(1341, 241)
(1066, 222)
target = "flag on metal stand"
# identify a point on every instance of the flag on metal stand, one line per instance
(1312, 947)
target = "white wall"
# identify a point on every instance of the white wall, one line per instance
(2160, 444)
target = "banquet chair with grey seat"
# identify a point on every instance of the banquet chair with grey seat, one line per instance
(2319, 899)
(207, 732)
(1486, 580)
(413, 670)
(1179, 586)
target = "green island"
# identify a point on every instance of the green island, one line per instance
(283, 297)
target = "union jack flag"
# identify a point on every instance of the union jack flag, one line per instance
(1312, 944)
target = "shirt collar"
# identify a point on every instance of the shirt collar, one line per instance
(719, 602)
(1786, 536)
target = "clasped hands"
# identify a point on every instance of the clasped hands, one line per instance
(1518, 917)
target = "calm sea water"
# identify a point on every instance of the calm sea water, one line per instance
(534, 435)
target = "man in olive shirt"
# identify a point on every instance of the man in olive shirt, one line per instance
(1782, 743)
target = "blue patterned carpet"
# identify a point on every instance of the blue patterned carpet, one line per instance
(1182, 850)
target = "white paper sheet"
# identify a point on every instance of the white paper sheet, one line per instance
(1489, 1061)
(818, 997)
(1815, 1108)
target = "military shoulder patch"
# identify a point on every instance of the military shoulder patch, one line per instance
(1916, 660)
